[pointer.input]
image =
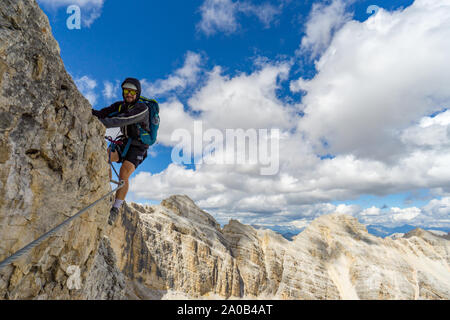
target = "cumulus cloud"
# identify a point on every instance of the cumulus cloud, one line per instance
(284, 199)
(429, 132)
(222, 102)
(433, 214)
(111, 90)
(90, 9)
(87, 87)
(218, 15)
(377, 78)
(323, 21)
(222, 15)
(404, 215)
(179, 80)
(244, 101)
(173, 117)
(372, 211)
(438, 208)
(265, 12)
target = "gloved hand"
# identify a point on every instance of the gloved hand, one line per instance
(96, 113)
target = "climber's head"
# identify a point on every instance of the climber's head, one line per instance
(131, 90)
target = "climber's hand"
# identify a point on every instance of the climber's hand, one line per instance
(96, 113)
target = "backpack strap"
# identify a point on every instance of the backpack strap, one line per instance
(127, 147)
(115, 112)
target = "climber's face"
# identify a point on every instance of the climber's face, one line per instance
(129, 95)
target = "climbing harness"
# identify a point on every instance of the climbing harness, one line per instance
(39, 240)
(115, 145)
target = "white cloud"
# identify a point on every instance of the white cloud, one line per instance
(266, 13)
(113, 132)
(438, 208)
(172, 117)
(222, 102)
(347, 209)
(404, 215)
(222, 15)
(430, 131)
(218, 15)
(372, 211)
(179, 80)
(86, 86)
(90, 9)
(395, 217)
(436, 213)
(108, 91)
(244, 101)
(323, 21)
(225, 192)
(111, 90)
(376, 79)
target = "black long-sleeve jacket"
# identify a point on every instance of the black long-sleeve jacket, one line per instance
(126, 118)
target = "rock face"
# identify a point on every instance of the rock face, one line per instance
(176, 250)
(50, 164)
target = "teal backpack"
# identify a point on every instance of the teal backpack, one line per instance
(153, 121)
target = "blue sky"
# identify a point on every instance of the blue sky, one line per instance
(357, 96)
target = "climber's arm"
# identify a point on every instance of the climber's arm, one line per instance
(136, 115)
(103, 113)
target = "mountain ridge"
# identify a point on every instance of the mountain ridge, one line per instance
(330, 259)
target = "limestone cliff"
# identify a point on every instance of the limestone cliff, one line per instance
(177, 250)
(52, 162)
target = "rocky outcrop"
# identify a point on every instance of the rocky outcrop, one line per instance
(175, 250)
(105, 281)
(51, 164)
(171, 246)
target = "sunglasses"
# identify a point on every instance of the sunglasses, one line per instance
(132, 92)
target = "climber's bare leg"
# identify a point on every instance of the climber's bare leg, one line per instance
(126, 170)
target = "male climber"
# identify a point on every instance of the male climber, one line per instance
(128, 114)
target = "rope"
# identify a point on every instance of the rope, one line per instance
(39, 240)
(115, 171)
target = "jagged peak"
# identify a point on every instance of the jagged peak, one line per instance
(184, 206)
(336, 223)
(426, 235)
(237, 227)
(418, 232)
(180, 197)
(337, 217)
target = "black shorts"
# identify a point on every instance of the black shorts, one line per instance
(136, 155)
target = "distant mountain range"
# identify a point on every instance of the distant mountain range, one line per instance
(287, 232)
(376, 230)
(382, 231)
